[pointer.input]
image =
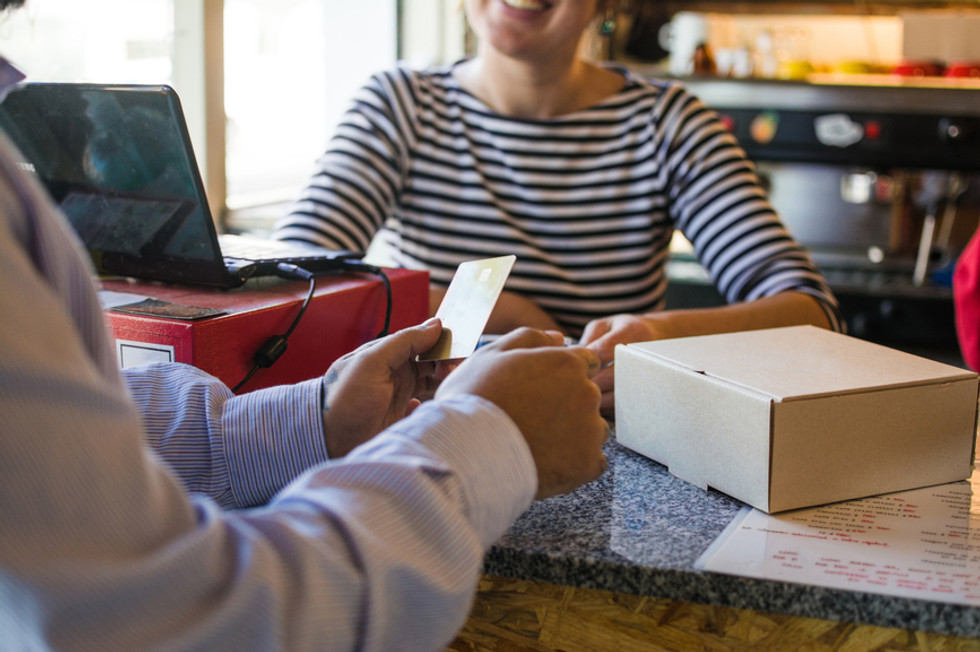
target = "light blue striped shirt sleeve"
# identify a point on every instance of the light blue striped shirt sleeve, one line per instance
(239, 450)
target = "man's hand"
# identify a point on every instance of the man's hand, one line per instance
(376, 385)
(548, 392)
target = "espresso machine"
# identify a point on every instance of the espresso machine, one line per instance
(881, 184)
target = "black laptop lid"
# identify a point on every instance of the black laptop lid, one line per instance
(119, 162)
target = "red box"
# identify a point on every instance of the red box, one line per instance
(346, 311)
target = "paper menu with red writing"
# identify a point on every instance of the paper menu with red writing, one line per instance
(922, 544)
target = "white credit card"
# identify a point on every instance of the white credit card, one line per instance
(466, 307)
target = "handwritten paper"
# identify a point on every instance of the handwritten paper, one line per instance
(922, 544)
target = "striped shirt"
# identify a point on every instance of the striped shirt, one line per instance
(112, 532)
(587, 201)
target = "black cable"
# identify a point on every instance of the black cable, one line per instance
(388, 306)
(273, 348)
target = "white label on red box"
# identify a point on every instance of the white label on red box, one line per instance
(133, 354)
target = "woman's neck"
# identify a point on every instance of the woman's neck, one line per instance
(533, 90)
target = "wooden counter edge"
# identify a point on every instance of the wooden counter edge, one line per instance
(518, 615)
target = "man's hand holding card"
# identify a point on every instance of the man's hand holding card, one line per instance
(466, 307)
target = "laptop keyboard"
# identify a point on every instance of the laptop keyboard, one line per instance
(245, 247)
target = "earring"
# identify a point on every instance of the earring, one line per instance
(607, 26)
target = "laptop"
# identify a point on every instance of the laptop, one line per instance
(118, 161)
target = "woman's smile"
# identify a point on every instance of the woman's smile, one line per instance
(528, 5)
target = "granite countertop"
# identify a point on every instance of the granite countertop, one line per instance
(639, 530)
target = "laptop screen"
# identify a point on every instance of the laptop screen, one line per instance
(118, 161)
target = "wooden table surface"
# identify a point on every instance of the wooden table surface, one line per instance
(511, 615)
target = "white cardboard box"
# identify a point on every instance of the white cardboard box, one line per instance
(794, 417)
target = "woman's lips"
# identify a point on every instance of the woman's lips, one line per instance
(527, 5)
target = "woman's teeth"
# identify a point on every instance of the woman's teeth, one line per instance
(532, 5)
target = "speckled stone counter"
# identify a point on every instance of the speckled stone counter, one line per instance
(639, 530)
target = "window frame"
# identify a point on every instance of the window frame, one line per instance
(198, 69)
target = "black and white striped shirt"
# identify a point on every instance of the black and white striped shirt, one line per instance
(588, 201)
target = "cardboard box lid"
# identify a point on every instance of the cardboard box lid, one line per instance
(800, 361)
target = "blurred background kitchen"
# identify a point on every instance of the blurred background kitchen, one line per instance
(864, 121)
(863, 118)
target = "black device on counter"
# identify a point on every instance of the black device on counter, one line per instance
(118, 161)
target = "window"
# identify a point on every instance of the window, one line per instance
(262, 83)
(104, 40)
(291, 67)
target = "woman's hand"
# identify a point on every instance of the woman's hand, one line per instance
(379, 383)
(602, 336)
(783, 309)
